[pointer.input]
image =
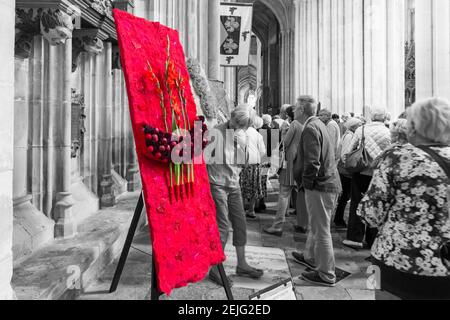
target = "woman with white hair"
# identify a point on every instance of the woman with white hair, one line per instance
(251, 177)
(224, 165)
(377, 138)
(409, 202)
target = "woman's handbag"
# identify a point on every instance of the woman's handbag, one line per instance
(445, 249)
(358, 160)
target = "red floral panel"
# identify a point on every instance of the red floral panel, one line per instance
(181, 212)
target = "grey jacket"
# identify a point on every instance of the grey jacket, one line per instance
(315, 166)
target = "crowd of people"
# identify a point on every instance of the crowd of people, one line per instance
(393, 176)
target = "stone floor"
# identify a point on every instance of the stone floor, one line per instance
(270, 253)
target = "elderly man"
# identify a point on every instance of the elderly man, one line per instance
(333, 129)
(317, 174)
(377, 140)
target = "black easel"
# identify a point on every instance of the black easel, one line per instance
(155, 294)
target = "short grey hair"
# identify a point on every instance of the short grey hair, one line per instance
(309, 105)
(258, 123)
(267, 119)
(431, 119)
(378, 114)
(243, 115)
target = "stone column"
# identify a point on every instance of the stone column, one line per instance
(133, 177)
(106, 185)
(65, 222)
(36, 107)
(192, 28)
(214, 39)
(203, 32)
(7, 22)
(31, 228)
(384, 55)
(357, 59)
(296, 48)
(432, 49)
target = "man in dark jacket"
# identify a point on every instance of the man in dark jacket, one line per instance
(317, 174)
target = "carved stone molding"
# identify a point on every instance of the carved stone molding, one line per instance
(28, 23)
(410, 73)
(86, 40)
(104, 7)
(52, 19)
(78, 119)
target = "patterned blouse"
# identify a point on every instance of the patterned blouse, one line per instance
(408, 202)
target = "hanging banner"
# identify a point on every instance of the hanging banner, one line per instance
(235, 34)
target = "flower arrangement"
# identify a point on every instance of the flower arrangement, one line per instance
(177, 138)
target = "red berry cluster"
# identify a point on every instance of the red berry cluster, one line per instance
(161, 144)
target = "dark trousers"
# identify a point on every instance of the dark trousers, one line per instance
(413, 287)
(343, 199)
(356, 228)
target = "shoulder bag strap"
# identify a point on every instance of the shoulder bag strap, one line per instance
(444, 164)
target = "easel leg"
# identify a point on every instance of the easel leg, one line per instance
(127, 245)
(226, 285)
(155, 294)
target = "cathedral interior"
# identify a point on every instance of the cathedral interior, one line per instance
(67, 148)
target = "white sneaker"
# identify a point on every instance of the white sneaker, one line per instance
(352, 244)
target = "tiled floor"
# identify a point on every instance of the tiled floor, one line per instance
(272, 254)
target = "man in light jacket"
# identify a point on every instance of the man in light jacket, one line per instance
(317, 174)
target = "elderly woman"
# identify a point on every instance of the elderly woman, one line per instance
(224, 157)
(251, 176)
(346, 178)
(377, 139)
(408, 201)
(291, 143)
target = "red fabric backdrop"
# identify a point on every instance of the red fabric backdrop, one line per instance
(185, 236)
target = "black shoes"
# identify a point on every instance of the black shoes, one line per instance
(252, 273)
(314, 278)
(300, 259)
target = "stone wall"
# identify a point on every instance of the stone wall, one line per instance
(433, 48)
(350, 53)
(6, 145)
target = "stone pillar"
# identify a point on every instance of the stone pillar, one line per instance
(203, 33)
(192, 28)
(384, 23)
(36, 105)
(214, 39)
(133, 176)
(65, 223)
(432, 49)
(357, 60)
(106, 185)
(31, 228)
(7, 22)
(297, 49)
